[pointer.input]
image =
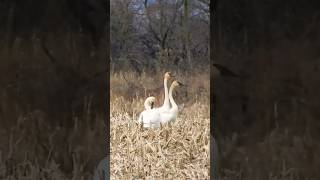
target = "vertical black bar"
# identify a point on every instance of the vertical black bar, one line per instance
(213, 44)
(108, 90)
(102, 171)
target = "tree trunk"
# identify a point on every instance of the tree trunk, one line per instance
(10, 22)
(186, 33)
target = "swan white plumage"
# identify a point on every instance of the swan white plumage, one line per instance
(149, 105)
(150, 118)
(166, 102)
(149, 102)
(172, 113)
(154, 117)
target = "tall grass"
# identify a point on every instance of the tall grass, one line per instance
(34, 150)
(276, 135)
(44, 133)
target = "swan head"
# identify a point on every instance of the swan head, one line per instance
(168, 75)
(149, 102)
(176, 83)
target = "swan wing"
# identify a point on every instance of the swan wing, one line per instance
(166, 117)
(150, 118)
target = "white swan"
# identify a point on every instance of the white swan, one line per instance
(166, 102)
(172, 113)
(149, 102)
(156, 116)
(149, 105)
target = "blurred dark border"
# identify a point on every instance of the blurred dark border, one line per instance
(267, 110)
(108, 87)
(213, 24)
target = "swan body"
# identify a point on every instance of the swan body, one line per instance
(149, 114)
(150, 118)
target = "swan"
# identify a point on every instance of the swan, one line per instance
(149, 105)
(149, 102)
(156, 116)
(166, 102)
(172, 113)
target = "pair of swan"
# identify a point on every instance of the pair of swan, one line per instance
(153, 117)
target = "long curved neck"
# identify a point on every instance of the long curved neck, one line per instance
(146, 105)
(166, 99)
(174, 105)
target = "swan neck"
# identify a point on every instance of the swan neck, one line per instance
(174, 105)
(166, 100)
(146, 105)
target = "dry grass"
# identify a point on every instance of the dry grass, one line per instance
(279, 156)
(263, 143)
(179, 150)
(32, 149)
(44, 135)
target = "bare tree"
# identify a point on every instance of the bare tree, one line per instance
(186, 33)
(157, 34)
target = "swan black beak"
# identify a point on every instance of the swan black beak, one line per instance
(152, 104)
(180, 84)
